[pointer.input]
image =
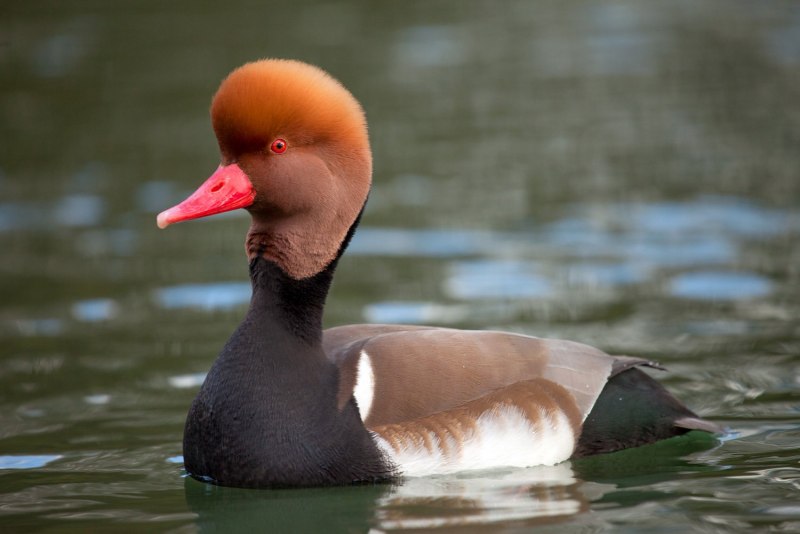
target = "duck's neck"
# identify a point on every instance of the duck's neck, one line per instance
(267, 414)
(286, 307)
(292, 305)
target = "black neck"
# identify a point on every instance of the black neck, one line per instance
(267, 413)
(295, 306)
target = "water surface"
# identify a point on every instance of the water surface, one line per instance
(618, 174)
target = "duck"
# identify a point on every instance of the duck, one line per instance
(289, 404)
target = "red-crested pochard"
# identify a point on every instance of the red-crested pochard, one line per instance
(288, 404)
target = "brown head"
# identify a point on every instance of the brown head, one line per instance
(295, 154)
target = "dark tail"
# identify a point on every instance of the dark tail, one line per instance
(633, 410)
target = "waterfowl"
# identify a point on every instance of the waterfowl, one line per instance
(286, 404)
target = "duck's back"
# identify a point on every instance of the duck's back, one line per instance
(416, 371)
(405, 378)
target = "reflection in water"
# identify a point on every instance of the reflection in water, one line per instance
(152, 196)
(408, 312)
(97, 399)
(597, 246)
(598, 274)
(629, 157)
(30, 461)
(650, 464)
(79, 210)
(346, 509)
(600, 247)
(421, 243)
(478, 279)
(711, 215)
(214, 296)
(95, 310)
(39, 327)
(523, 497)
(430, 46)
(711, 285)
(194, 380)
(519, 497)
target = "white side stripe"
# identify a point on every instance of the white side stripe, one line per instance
(364, 391)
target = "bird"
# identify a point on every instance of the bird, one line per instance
(288, 404)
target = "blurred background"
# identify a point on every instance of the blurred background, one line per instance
(621, 174)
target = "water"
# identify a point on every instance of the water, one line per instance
(619, 174)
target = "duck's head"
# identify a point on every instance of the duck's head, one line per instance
(295, 154)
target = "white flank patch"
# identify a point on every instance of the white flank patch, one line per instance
(503, 437)
(364, 391)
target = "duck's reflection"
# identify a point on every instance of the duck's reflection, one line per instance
(519, 497)
(345, 509)
(527, 496)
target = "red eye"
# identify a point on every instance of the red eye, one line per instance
(278, 146)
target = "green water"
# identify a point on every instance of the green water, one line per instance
(622, 174)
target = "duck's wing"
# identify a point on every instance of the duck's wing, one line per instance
(402, 373)
(439, 400)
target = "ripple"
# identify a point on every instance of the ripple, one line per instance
(104, 241)
(32, 461)
(214, 296)
(783, 45)
(98, 399)
(719, 327)
(708, 214)
(95, 310)
(423, 243)
(698, 250)
(582, 238)
(187, 381)
(606, 274)
(429, 46)
(484, 279)
(39, 327)
(710, 285)
(61, 52)
(79, 210)
(18, 216)
(155, 195)
(706, 230)
(404, 312)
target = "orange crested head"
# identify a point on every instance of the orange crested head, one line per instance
(295, 154)
(279, 98)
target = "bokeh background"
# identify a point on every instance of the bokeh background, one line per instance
(623, 174)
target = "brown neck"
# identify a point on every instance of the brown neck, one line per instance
(301, 249)
(300, 254)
